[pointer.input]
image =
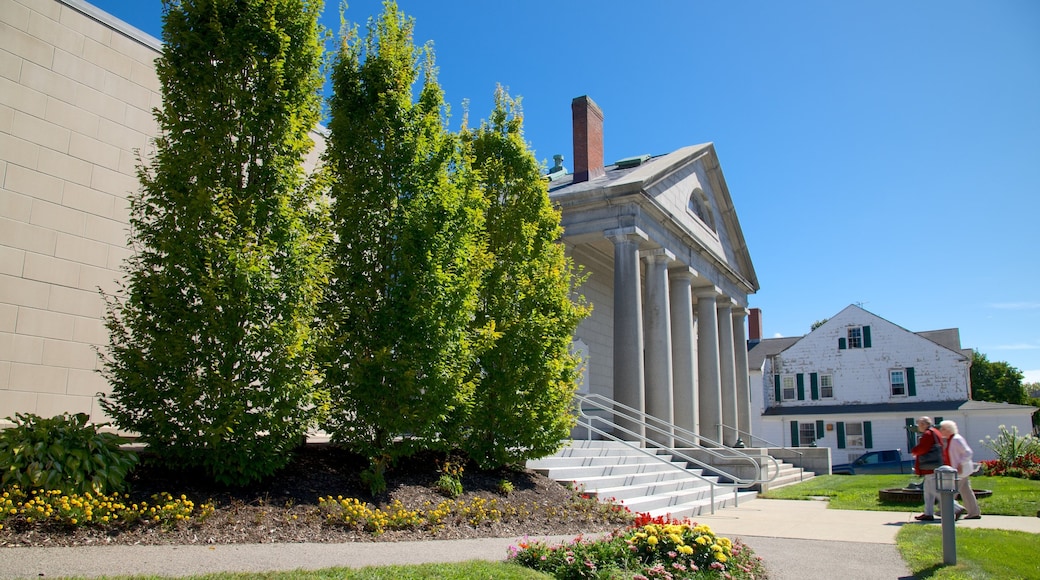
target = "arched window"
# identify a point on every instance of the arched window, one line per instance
(700, 207)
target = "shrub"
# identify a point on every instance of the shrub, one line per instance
(1009, 445)
(1024, 467)
(63, 453)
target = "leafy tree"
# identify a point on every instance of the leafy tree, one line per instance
(526, 372)
(406, 260)
(818, 324)
(210, 339)
(995, 381)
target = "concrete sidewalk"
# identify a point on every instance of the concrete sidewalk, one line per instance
(797, 539)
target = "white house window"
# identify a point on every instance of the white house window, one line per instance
(789, 390)
(806, 434)
(898, 381)
(826, 387)
(855, 337)
(854, 436)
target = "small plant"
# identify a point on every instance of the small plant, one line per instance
(375, 476)
(1009, 445)
(64, 453)
(505, 487)
(450, 481)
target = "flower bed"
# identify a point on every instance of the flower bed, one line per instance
(649, 548)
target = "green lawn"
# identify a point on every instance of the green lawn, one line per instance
(1011, 496)
(461, 571)
(981, 554)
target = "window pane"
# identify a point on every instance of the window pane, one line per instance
(898, 381)
(856, 337)
(806, 434)
(826, 387)
(854, 435)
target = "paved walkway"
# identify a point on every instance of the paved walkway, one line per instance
(797, 539)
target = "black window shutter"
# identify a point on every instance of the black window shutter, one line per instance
(776, 387)
(819, 429)
(814, 386)
(911, 430)
(794, 433)
(866, 337)
(868, 437)
(911, 384)
(841, 435)
(841, 343)
(801, 386)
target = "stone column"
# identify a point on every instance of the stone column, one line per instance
(741, 362)
(684, 367)
(628, 323)
(710, 388)
(727, 372)
(658, 339)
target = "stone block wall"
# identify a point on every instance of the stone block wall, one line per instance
(76, 100)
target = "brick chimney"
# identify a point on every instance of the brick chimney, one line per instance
(754, 323)
(588, 139)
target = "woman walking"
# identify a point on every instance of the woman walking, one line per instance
(958, 455)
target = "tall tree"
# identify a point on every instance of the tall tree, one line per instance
(528, 308)
(406, 259)
(995, 381)
(210, 338)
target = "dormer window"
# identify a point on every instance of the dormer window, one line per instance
(700, 207)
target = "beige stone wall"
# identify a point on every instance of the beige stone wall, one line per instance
(76, 97)
(77, 90)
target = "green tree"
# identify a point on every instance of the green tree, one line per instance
(210, 352)
(526, 372)
(995, 381)
(818, 324)
(406, 260)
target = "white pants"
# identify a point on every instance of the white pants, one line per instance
(930, 494)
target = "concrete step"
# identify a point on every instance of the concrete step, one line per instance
(643, 483)
(587, 460)
(704, 506)
(630, 492)
(581, 472)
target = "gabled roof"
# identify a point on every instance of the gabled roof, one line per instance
(948, 338)
(765, 348)
(636, 177)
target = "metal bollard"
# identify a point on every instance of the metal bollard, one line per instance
(946, 485)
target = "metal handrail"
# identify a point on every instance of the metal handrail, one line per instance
(669, 431)
(751, 440)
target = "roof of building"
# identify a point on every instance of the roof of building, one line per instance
(767, 347)
(908, 408)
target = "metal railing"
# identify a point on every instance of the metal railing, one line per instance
(751, 443)
(613, 427)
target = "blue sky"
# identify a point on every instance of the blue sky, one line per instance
(882, 153)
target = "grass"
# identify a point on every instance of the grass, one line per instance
(1011, 496)
(453, 571)
(977, 558)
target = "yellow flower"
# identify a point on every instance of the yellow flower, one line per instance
(652, 540)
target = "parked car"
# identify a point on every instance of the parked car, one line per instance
(876, 462)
